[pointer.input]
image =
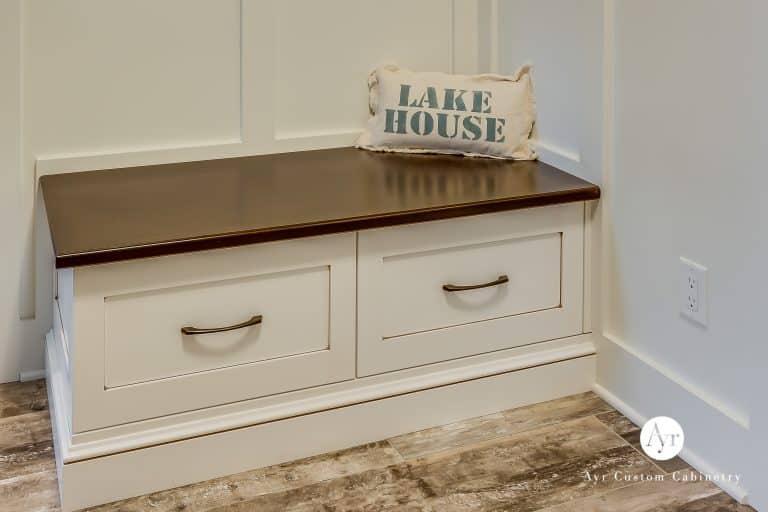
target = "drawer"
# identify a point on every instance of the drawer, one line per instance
(258, 320)
(443, 290)
(440, 288)
(282, 314)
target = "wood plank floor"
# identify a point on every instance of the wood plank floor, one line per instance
(535, 458)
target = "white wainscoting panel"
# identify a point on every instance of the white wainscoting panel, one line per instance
(111, 84)
(321, 68)
(107, 76)
(306, 64)
(221, 79)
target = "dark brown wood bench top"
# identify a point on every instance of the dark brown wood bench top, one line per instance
(120, 214)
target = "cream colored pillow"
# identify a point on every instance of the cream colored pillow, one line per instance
(480, 115)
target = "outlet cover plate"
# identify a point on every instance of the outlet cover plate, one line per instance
(693, 291)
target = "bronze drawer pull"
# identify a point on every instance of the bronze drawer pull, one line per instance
(456, 288)
(189, 331)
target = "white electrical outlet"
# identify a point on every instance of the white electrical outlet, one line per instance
(693, 291)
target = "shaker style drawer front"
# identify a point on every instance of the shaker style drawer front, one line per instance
(172, 334)
(226, 323)
(449, 289)
(458, 285)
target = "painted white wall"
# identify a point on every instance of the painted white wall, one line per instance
(757, 355)
(688, 180)
(678, 155)
(563, 40)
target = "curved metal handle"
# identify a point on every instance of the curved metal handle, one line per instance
(190, 331)
(456, 288)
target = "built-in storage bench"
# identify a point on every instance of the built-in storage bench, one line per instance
(217, 316)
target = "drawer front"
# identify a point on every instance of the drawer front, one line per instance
(443, 290)
(131, 360)
(288, 313)
(483, 281)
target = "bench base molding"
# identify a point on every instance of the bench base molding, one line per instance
(554, 371)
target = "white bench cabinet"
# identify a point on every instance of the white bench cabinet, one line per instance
(215, 317)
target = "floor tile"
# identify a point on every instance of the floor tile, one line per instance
(650, 496)
(530, 449)
(542, 487)
(389, 489)
(718, 503)
(631, 433)
(477, 430)
(555, 411)
(618, 422)
(455, 435)
(252, 484)
(26, 445)
(25, 429)
(22, 397)
(475, 477)
(530, 470)
(26, 459)
(37, 492)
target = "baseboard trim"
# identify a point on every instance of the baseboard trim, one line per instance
(31, 375)
(114, 477)
(721, 408)
(736, 491)
(635, 413)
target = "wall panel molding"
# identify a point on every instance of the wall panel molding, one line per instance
(607, 156)
(64, 163)
(174, 94)
(358, 48)
(11, 346)
(488, 37)
(270, 121)
(466, 26)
